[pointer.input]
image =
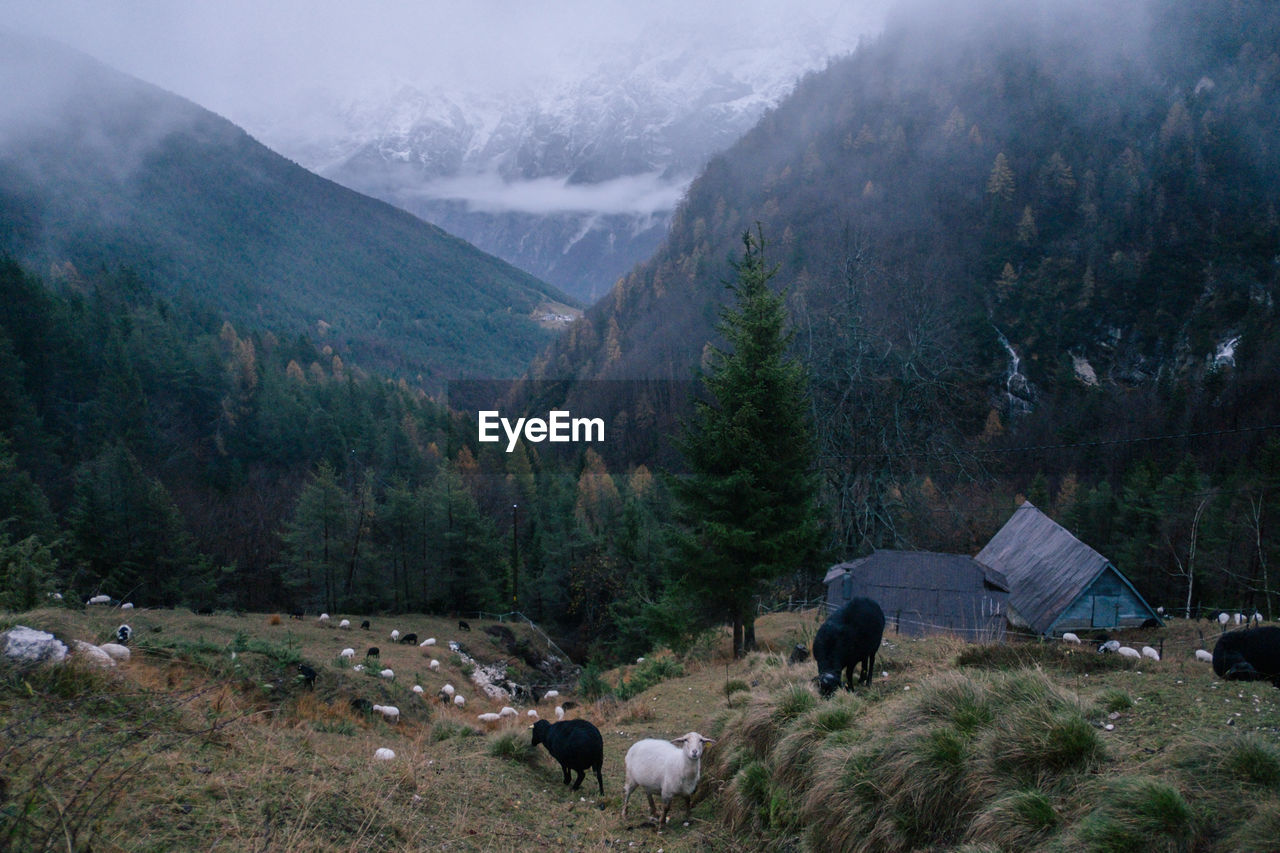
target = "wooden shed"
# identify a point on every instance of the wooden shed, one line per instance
(925, 593)
(1058, 583)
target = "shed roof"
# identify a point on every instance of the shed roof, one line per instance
(1046, 566)
(922, 570)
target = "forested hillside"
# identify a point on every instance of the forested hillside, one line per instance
(1028, 248)
(99, 170)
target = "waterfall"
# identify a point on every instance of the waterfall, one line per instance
(1017, 389)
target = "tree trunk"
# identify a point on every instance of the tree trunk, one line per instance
(737, 636)
(749, 633)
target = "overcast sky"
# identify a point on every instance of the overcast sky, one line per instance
(239, 56)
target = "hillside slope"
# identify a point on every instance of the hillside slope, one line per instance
(100, 169)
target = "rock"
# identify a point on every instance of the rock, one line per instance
(92, 653)
(116, 651)
(21, 643)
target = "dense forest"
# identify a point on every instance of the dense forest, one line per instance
(1025, 254)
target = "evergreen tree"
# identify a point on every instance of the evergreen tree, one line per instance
(747, 506)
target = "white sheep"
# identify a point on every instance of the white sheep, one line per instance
(1238, 619)
(533, 715)
(390, 712)
(1202, 655)
(347, 653)
(665, 767)
(1110, 646)
(1149, 652)
(384, 754)
(447, 690)
(559, 712)
(388, 673)
(508, 711)
(345, 623)
(429, 641)
(417, 688)
(116, 651)
(550, 694)
(459, 700)
(1223, 619)
(1071, 638)
(128, 605)
(99, 599)
(1257, 618)
(434, 665)
(488, 718)
(1127, 652)
(323, 617)
(395, 635)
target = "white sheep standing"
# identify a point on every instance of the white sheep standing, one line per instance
(429, 641)
(459, 700)
(417, 688)
(1127, 652)
(447, 690)
(1149, 652)
(559, 712)
(1071, 638)
(345, 623)
(550, 694)
(434, 665)
(384, 754)
(99, 599)
(488, 718)
(1257, 618)
(533, 715)
(1238, 619)
(323, 617)
(390, 712)
(665, 767)
(395, 635)
(508, 711)
(347, 653)
(1202, 655)
(388, 673)
(1223, 619)
(128, 605)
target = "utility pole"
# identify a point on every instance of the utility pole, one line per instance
(515, 557)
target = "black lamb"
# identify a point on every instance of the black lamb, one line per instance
(850, 636)
(1252, 654)
(408, 638)
(576, 744)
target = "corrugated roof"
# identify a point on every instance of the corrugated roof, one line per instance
(1046, 566)
(926, 591)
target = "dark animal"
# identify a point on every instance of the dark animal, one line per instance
(123, 633)
(463, 626)
(850, 636)
(409, 638)
(576, 744)
(297, 614)
(1252, 654)
(365, 624)
(373, 653)
(799, 654)
(362, 705)
(308, 676)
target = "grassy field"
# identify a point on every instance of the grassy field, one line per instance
(188, 746)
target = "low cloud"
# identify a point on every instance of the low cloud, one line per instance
(642, 195)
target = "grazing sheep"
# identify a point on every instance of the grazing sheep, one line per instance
(123, 633)
(434, 665)
(559, 712)
(1071, 638)
(1202, 655)
(666, 768)
(308, 676)
(323, 617)
(348, 654)
(1149, 652)
(99, 599)
(117, 652)
(345, 623)
(463, 626)
(296, 614)
(488, 717)
(447, 690)
(850, 636)
(508, 711)
(533, 715)
(1109, 646)
(1223, 619)
(1126, 652)
(395, 635)
(388, 674)
(408, 638)
(550, 694)
(417, 688)
(1238, 619)
(459, 700)
(1257, 619)
(128, 605)
(365, 624)
(373, 652)
(389, 712)
(576, 745)
(429, 641)
(1251, 654)
(383, 754)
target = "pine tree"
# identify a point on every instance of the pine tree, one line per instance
(747, 505)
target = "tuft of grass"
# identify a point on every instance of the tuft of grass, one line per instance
(792, 702)
(734, 686)
(1139, 814)
(1114, 699)
(446, 729)
(511, 746)
(653, 671)
(1018, 820)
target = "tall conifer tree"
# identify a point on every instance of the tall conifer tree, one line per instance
(747, 505)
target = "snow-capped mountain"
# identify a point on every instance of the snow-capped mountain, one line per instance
(572, 179)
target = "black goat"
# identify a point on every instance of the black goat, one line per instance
(576, 744)
(373, 653)
(1252, 654)
(408, 638)
(308, 676)
(850, 636)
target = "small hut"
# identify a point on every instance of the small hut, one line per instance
(1056, 582)
(922, 592)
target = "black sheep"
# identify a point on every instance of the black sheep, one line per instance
(408, 638)
(365, 624)
(1252, 654)
(308, 676)
(373, 653)
(576, 744)
(850, 636)
(463, 626)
